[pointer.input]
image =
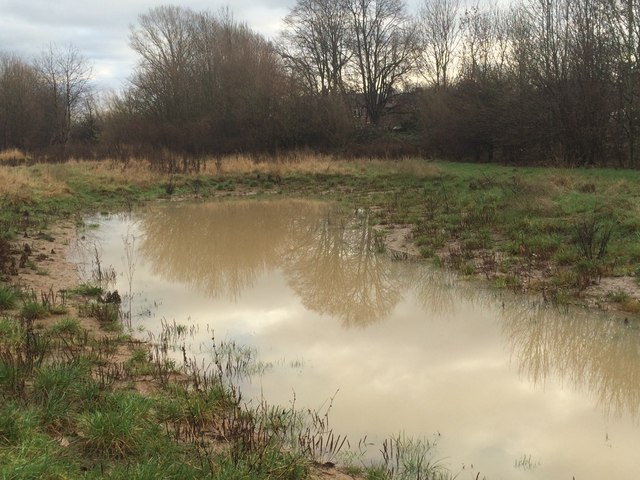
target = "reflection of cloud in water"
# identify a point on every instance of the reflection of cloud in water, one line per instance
(590, 352)
(330, 262)
(442, 351)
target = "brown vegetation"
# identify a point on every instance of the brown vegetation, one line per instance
(549, 82)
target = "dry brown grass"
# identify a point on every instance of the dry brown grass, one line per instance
(561, 180)
(293, 163)
(12, 154)
(21, 184)
(108, 172)
(312, 163)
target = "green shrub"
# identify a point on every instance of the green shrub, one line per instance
(87, 290)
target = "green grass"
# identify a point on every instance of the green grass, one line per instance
(32, 310)
(87, 290)
(120, 427)
(407, 458)
(60, 390)
(8, 297)
(139, 361)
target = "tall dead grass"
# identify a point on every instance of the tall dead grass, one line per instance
(22, 184)
(287, 164)
(108, 172)
(12, 154)
(312, 163)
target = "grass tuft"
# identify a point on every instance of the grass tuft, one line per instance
(67, 326)
(8, 297)
(120, 427)
(32, 310)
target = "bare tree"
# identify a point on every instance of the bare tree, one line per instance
(164, 40)
(204, 83)
(66, 74)
(384, 44)
(440, 35)
(623, 18)
(314, 44)
(20, 117)
(483, 42)
(592, 64)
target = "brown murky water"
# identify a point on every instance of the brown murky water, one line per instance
(509, 389)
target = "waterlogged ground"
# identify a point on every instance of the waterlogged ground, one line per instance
(507, 388)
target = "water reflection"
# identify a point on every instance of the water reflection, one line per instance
(436, 291)
(596, 354)
(222, 248)
(330, 262)
(333, 267)
(286, 277)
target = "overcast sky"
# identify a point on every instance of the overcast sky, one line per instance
(100, 28)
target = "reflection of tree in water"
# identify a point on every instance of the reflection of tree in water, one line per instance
(329, 261)
(602, 355)
(436, 290)
(334, 268)
(439, 291)
(221, 248)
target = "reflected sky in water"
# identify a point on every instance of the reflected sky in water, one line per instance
(406, 347)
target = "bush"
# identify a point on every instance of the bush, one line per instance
(6, 260)
(67, 326)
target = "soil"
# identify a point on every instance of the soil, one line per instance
(597, 295)
(399, 241)
(49, 267)
(325, 472)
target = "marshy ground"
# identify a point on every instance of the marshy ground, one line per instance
(82, 398)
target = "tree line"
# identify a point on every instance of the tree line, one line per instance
(552, 81)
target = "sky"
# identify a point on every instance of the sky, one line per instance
(99, 29)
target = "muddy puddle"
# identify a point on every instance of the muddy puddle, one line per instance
(507, 388)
